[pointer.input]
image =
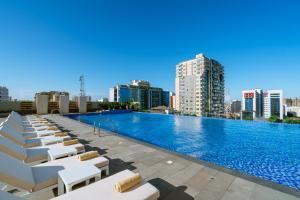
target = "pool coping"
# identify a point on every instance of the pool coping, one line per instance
(270, 184)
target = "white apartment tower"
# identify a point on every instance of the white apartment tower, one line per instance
(200, 86)
(273, 104)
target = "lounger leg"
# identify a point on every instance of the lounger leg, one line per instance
(107, 171)
(69, 188)
(60, 187)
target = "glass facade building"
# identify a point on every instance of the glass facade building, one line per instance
(138, 91)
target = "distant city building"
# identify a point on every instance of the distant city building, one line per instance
(200, 86)
(236, 106)
(273, 104)
(104, 99)
(293, 111)
(53, 96)
(138, 91)
(292, 102)
(258, 104)
(88, 98)
(4, 95)
(166, 98)
(172, 100)
(252, 103)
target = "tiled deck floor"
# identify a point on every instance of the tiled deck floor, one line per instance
(183, 179)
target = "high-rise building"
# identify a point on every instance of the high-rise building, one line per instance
(200, 86)
(138, 91)
(273, 104)
(4, 95)
(236, 106)
(252, 103)
(166, 98)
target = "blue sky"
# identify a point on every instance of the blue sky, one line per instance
(47, 45)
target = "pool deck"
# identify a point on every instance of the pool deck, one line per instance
(183, 179)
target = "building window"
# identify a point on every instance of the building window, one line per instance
(249, 104)
(275, 107)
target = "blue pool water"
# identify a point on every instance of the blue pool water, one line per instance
(266, 150)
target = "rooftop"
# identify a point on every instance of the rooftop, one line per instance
(176, 177)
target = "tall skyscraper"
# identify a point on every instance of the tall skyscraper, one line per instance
(200, 86)
(273, 103)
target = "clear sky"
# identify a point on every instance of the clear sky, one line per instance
(47, 45)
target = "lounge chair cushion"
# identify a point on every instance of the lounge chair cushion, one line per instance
(36, 154)
(12, 149)
(11, 134)
(32, 142)
(45, 176)
(105, 188)
(29, 135)
(72, 161)
(14, 172)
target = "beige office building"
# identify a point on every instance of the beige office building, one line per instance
(200, 86)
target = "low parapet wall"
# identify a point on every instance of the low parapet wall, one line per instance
(24, 107)
(9, 106)
(29, 107)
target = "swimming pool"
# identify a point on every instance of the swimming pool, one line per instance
(266, 150)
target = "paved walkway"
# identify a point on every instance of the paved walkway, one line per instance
(178, 179)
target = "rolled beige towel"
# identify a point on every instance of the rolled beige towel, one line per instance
(52, 128)
(88, 155)
(70, 142)
(126, 184)
(61, 134)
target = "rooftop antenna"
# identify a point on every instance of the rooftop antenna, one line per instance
(82, 92)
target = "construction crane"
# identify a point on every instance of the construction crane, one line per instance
(82, 92)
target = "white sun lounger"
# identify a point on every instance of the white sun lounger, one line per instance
(17, 122)
(18, 138)
(23, 128)
(106, 188)
(28, 118)
(34, 134)
(37, 155)
(39, 178)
